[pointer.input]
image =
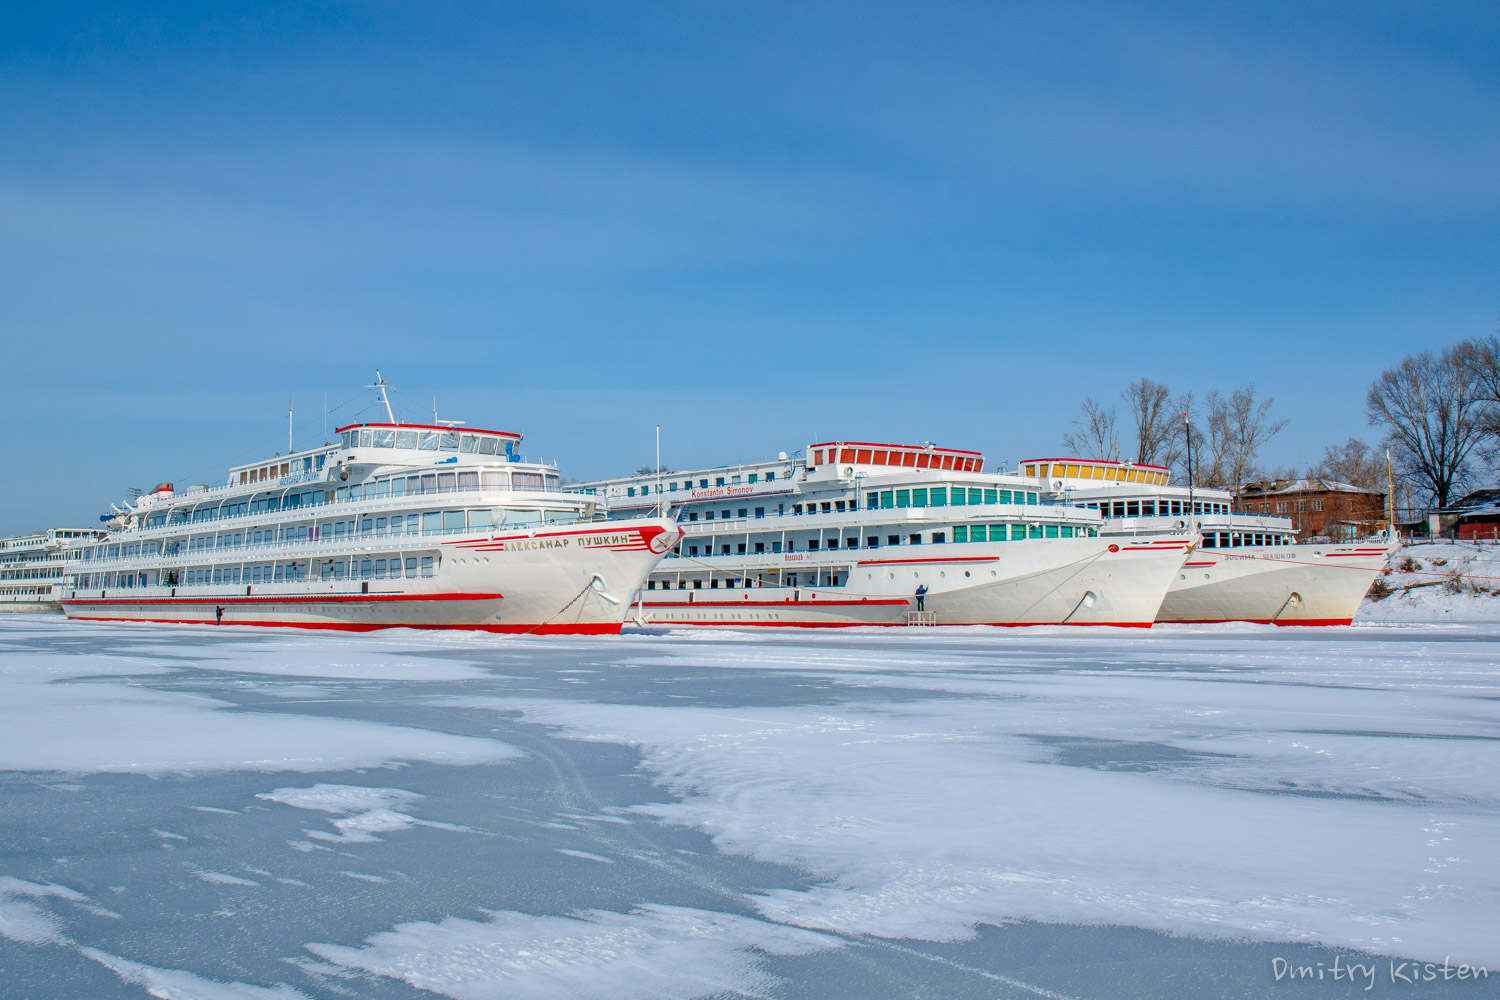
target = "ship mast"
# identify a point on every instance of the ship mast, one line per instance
(380, 385)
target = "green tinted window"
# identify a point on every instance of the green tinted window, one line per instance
(1067, 531)
(1017, 531)
(872, 500)
(1036, 531)
(903, 498)
(975, 497)
(961, 533)
(1004, 496)
(959, 496)
(886, 498)
(919, 498)
(1031, 498)
(940, 496)
(990, 496)
(1051, 531)
(977, 533)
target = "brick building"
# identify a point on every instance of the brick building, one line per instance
(1318, 506)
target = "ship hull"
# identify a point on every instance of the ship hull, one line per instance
(1282, 585)
(1071, 582)
(563, 581)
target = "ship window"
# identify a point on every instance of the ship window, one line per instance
(453, 520)
(366, 438)
(326, 571)
(406, 439)
(723, 550)
(1132, 508)
(991, 496)
(467, 444)
(812, 545)
(939, 538)
(919, 498)
(960, 496)
(979, 533)
(903, 498)
(427, 566)
(893, 539)
(411, 567)
(482, 519)
(1148, 508)
(939, 496)
(753, 478)
(976, 497)
(432, 522)
(445, 481)
(385, 439)
(961, 533)
(708, 515)
(398, 486)
(1067, 531)
(775, 546)
(692, 550)
(468, 480)
(428, 441)
(1035, 531)
(1051, 531)
(488, 446)
(364, 527)
(447, 441)
(380, 569)
(1017, 531)
(770, 476)
(703, 484)
(914, 539)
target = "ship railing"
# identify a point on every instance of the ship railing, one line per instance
(179, 524)
(370, 541)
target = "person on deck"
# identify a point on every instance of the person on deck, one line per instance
(922, 597)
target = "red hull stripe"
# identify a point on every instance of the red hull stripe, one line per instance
(590, 629)
(284, 599)
(1200, 564)
(811, 624)
(865, 602)
(908, 562)
(1260, 621)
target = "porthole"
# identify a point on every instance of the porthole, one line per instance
(993, 573)
(893, 576)
(869, 576)
(1184, 576)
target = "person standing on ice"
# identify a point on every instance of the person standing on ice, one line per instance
(218, 614)
(921, 596)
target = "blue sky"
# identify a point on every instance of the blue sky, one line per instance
(754, 223)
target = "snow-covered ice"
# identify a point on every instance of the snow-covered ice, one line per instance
(197, 812)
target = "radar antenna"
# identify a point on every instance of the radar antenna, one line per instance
(381, 385)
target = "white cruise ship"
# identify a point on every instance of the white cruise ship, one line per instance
(32, 567)
(1249, 567)
(394, 525)
(850, 534)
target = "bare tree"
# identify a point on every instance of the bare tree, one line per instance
(1482, 358)
(1096, 436)
(1433, 407)
(1238, 426)
(1352, 462)
(1150, 406)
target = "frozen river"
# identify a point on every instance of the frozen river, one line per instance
(200, 813)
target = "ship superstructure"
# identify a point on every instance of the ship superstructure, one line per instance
(393, 524)
(32, 567)
(861, 533)
(1249, 567)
